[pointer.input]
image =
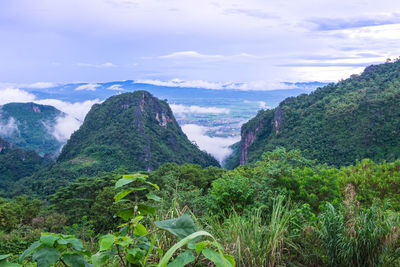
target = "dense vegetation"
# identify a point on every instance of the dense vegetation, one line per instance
(337, 124)
(16, 163)
(283, 210)
(30, 126)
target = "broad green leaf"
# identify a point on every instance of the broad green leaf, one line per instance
(135, 255)
(106, 242)
(29, 251)
(75, 260)
(3, 257)
(165, 259)
(123, 194)
(230, 258)
(74, 242)
(217, 258)
(136, 175)
(153, 197)
(140, 230)
(126, 214)
(182, 259)
(181, 226)
(124, 181)
(124, 241)
(145, 209)
(153, 185)
(46, 256)
(4, 263)
(200, 246)
(100, 258)
(49, 240)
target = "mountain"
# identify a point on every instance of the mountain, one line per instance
(16, 163)
(30, 126)
(133, 131)
(337, 124)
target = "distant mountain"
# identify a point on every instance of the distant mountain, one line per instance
(16, 163)
(134, 131)
(30, 126)
(354, 119)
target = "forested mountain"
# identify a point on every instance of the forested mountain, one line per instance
(16, 163)
(134, 131)
(30, 126)
(337, 124)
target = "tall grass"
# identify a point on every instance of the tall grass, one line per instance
(254, 241)
(367, 237)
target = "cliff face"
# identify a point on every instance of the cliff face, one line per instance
(337, 124)
(135, 130)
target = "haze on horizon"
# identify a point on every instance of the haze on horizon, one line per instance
(258, 42)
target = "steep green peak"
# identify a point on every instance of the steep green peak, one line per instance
(30, 126)
(136, 130)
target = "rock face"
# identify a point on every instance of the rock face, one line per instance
(135, 130)
(337, 124)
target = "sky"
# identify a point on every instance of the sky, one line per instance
(258, 42)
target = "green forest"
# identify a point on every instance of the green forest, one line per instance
(284, 210)
(319, 186)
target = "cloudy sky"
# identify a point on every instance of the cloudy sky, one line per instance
(256, 41)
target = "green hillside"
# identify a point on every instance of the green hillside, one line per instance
(16, 163)
(29, 126)
(337, 124)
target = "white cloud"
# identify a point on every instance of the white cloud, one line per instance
(103, 65)
(181, 110)
(255, 85)
(216, 146)
(191, 54)
(65, 125)
(15, 95)
(8, 128)
(77, 110)
(71, 120)
(115, 87)
(88, 87)
(40, 85)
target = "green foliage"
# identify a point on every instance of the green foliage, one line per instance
(17, 212)
(53, 248)
(16, 163)
(232, 191)
(5, 263)
(337, 124)
(373, 182)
